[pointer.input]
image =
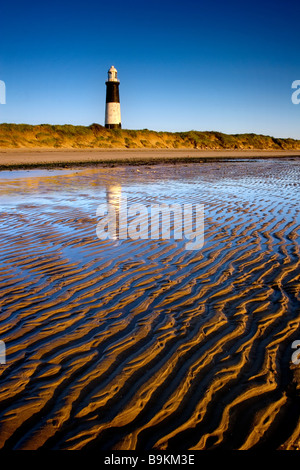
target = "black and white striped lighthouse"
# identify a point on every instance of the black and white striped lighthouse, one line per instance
(112, 109)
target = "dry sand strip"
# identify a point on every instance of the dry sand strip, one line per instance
(41, 158)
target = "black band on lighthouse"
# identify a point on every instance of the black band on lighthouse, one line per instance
(112, 92)
(113, 126)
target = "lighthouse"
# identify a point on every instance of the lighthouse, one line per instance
(112, 109)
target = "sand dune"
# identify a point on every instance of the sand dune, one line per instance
(124, 344)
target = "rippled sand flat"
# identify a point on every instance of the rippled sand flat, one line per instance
(142, 344)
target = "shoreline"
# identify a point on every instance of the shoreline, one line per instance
(12, 159)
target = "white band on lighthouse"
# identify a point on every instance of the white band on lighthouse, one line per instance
(113, 113)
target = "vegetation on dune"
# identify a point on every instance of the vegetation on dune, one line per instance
(96, 136)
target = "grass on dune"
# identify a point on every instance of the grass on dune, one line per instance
(95, 136)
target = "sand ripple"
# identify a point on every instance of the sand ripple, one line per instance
(143, 344)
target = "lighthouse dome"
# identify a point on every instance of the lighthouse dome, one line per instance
(112, 74)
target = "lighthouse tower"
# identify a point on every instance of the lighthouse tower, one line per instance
(112, 110)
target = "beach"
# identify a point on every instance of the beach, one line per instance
(41, 158)
(142, 344)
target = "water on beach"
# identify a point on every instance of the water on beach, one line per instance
(141, 343)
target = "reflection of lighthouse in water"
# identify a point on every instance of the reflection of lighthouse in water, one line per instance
(113, 199)
(113, 195)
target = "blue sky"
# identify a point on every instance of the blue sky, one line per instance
(218, 65)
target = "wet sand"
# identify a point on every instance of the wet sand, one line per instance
(42, 158)
(142, 344)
